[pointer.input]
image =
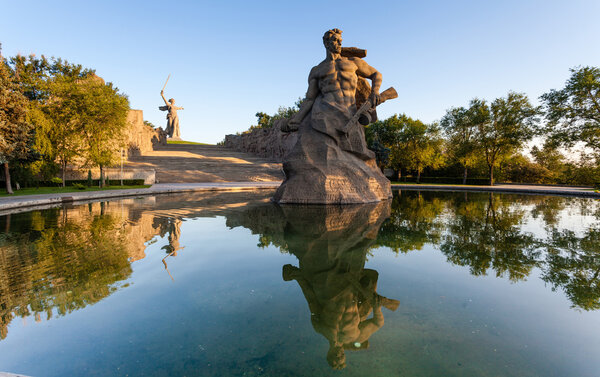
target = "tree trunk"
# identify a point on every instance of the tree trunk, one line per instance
(418, 175)
(64, 168)
(101, 177)
(465, 176)
(492, 174)
(7, 178)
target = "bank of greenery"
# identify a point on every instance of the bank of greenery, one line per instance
(55, 114)
(485, 141)
(76, 187)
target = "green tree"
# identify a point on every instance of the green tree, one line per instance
(16, 134)
(519, 168)
(51, 86)
(551, 159)
(508, 126)
(383, 134)
(65, 112)
(103, 121)
(265, 120)
(418, 145)
(460, 126)
(573, 113)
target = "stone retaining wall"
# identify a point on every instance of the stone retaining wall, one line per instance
(268, 143)
(141, 138)
(148, 175)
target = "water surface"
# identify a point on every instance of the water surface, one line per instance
(228, 284)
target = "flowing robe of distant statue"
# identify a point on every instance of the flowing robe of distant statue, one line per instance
(172, 118)
(330, 162)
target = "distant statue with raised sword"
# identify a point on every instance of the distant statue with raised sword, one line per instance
(172, 130)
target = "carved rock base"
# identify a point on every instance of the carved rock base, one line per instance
(318, 171)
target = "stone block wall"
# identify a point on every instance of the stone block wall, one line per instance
(268, 143)
(140, 137)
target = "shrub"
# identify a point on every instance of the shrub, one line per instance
(78, 186)
(57, 181)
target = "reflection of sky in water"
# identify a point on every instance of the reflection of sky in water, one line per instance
(227, 311)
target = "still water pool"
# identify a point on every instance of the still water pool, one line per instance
(228, 284)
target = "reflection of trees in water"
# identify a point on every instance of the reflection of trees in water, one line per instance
(487, 235)
(414, 222)
(573, 265)
(484, 231)
(59, 260)
(52, 262)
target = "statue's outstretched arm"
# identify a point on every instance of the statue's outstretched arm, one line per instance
(164, 99)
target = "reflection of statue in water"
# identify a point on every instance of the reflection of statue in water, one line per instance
(174, 229)
(331, 244)
(340, 301)
(172, 117)
(330, 162)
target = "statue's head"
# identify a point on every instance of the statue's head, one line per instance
(332, 39)
(172, 101)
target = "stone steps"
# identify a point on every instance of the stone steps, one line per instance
(185, 163)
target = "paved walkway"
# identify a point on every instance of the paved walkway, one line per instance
(522, 189)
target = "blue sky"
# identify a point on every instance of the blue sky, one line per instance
(230, 59)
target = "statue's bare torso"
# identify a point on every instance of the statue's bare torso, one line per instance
(337, 79)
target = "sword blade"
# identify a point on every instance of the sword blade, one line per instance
(168, 77)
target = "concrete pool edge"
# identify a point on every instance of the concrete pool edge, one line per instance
(31, 202)
(506, 189)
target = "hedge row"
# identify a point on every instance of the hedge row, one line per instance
(448, 180)
(95, 182)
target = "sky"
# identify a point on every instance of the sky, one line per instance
(231, 59)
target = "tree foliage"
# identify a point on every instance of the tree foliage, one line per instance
(103, 121)
(16, 134)
(78, 117)
(265, 120)
(461, 126)
(508, 125)
(573, 113)
(414, 145)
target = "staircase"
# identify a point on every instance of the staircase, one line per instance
(186, 163)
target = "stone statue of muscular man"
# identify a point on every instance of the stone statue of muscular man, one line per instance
(330, 162)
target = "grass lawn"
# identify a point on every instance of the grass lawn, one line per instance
(60, 190)
(185, 142)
